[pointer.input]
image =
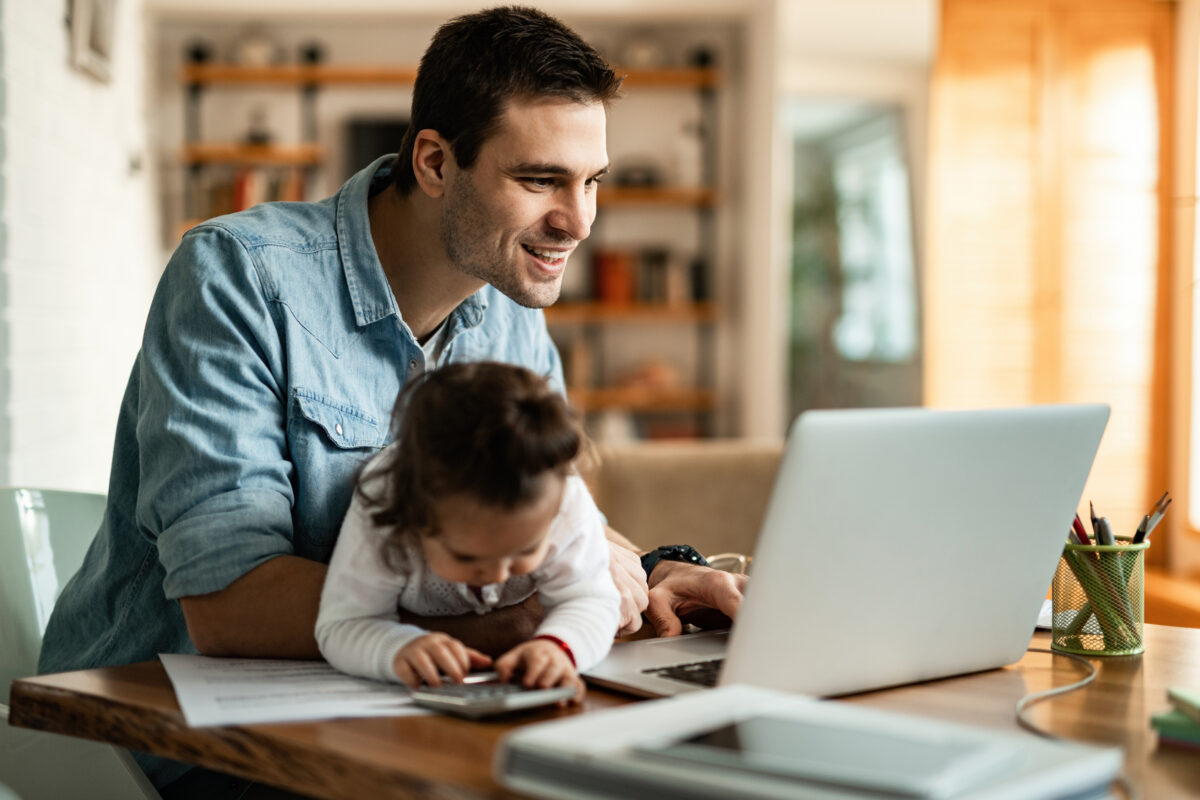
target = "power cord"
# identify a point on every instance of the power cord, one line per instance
(1030, 700)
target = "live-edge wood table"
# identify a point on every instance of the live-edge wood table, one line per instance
(440, 757)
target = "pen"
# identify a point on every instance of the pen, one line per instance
(1095, 522)
(1156, 517)
(1152, 519)
(1141, 530)
(1080, 532)
(1104, 533)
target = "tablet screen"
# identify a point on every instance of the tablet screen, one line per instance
(845, 755)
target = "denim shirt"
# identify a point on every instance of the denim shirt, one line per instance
(270, 363)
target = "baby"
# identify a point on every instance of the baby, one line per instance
(476, 506)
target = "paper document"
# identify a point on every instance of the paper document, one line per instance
(242, 691)
(1046, 616)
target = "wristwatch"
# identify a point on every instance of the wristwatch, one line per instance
(672, 552)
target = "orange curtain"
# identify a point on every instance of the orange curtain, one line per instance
(1048, 223)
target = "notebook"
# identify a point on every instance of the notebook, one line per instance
(899, 545)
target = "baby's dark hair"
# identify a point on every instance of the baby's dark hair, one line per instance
(485, 429)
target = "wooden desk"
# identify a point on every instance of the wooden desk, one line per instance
(438, 757)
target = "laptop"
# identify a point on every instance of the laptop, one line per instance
(899, 545)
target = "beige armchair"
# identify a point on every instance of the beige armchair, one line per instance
(711, 494)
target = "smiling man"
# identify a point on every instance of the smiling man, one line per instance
(279, 338)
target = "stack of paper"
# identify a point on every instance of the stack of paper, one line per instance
(244, 691)
(1180, 727)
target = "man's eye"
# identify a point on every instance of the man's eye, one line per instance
(596, 181)
(539, 183)
(463, 559)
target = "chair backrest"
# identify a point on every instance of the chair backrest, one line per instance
(710, 494)
(44, 534)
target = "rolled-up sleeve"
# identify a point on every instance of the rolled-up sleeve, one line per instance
(216, 484)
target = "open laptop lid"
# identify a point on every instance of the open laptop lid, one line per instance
(903, 545)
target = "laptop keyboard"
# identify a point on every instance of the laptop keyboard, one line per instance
(704, 673)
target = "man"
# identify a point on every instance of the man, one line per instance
(278, 340)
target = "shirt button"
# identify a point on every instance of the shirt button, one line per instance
(338, 428)
(412, 364)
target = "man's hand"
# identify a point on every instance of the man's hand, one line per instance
(627, 573)
(427, 657)
(679, 590)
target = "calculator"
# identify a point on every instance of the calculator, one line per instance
(483, 695)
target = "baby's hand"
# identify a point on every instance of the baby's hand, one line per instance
(543, 664)
(427, 657)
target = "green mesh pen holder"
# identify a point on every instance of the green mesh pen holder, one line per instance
(1098, 599)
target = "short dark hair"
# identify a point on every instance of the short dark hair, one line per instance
(477, 62)
(489, 430)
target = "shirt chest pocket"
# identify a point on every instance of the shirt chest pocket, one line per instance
(329, 441)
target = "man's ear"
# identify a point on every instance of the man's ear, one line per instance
(431, 153)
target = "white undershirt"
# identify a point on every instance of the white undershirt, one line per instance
(435, 345)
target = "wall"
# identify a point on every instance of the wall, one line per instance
(80, 254)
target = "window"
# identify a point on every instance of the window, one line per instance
(854, 325)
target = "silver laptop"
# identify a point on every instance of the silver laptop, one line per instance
(899, 545)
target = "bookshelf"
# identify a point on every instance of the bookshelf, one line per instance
(645, 400)
(224, 176)
(294, 155)
(593, 312)
(297, 75)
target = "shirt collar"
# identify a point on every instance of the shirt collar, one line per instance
(369, 290)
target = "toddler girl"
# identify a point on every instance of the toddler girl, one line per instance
(475, 506)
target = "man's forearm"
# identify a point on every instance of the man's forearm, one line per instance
(270, 612)
(494, 633)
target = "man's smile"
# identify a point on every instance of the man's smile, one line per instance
(549, 259)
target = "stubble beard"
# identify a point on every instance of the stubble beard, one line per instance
(463, 217)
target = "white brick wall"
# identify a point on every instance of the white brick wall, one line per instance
(81, 245)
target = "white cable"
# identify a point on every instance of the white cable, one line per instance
(1032, 699)
(1037, 697)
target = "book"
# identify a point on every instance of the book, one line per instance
(614, 276)
(1176, 728)
(1186, 701)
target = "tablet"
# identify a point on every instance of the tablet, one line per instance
(845, 755)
